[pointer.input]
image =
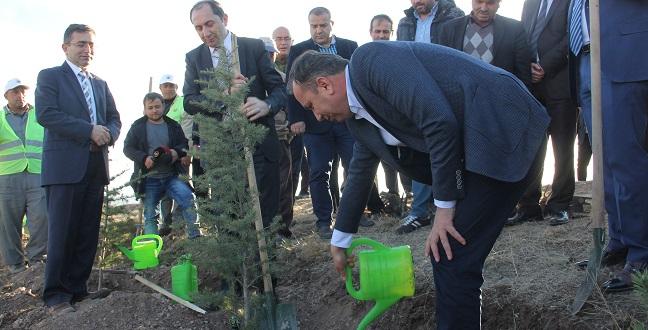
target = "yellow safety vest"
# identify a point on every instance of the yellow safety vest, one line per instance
(15, 156)
(177, 109)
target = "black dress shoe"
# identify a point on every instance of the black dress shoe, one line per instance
(609, 259)
(524, 215)
(622, 281)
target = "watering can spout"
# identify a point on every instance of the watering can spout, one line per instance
(128, 253)
(380, 307)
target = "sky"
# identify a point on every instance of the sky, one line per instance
(139, 39)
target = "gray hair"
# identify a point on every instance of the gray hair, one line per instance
(310, 65)
(319, 11)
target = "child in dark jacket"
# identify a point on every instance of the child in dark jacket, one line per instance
(156, 143)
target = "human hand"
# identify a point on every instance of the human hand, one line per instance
(298, 127)
(537, 73)
(255, 108)
(185, 161)
(148, 163)
(340, 260)
(238, 83)
(443, 225)
(100, 135)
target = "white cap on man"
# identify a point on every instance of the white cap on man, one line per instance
(269, 45)
(167, 79)
(13, 83)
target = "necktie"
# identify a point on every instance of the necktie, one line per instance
(87, 92)
(576, 27)
(538, 27)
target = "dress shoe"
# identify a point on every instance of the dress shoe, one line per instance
(524, 215)
(324, 232)
(60, 309)
(622, 281)
(558, 218)
(366, 222)
(609, 259)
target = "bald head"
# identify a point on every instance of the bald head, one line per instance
(282, 39)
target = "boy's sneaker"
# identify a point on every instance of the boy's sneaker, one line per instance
(411, 223)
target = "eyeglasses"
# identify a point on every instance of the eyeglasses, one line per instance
(383, 31)
(282, 39)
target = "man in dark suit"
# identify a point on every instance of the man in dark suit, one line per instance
(471, 130)
(624, 104)
(323, 140)
(265, 98)
(545, 22)
(78, 113)
(497, 40)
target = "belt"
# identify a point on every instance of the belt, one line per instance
(585, 49)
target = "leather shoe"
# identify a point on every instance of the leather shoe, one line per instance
(324, 232)
(622, 281)
(609, 259)
(366, 222)
(524, 215)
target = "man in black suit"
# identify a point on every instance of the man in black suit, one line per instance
(497, 40)
(471, 130)
(265, 98)
(545, 22)
(78, 113)
(323, 140)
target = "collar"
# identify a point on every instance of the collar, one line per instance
(432, 14)
(76, 69)
(227, 43)
(7, 111)
(354, 103)
(472, 20)
(329, 46)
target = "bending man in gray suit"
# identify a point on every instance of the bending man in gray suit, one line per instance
(471, 130)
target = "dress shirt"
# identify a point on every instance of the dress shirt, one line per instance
(424, 27)
(586, 35)
(76, 71)
(331, 49)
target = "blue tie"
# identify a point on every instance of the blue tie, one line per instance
(576, 27)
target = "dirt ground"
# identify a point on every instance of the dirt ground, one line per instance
(530, 282)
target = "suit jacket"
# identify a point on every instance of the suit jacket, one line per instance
(267, 85)
(511, 50)
(62, 110)
(624, 31)
(296, 112)
(462, 113)
(553, 47)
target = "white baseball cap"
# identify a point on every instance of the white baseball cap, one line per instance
(269, 45)
(13, 83)
(167, 78)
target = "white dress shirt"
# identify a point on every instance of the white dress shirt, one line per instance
(215, 52)
(76, 71)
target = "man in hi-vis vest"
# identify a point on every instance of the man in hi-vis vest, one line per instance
(21, 194)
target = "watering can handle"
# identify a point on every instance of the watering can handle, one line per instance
(149, 236)
(355, 243)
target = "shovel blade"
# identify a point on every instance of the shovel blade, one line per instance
(591, 274)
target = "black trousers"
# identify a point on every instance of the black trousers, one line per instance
(562, 129)
(479, 218)
(74, 213)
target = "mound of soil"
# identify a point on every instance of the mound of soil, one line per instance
(530, 282)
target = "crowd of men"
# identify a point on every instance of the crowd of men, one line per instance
(463, 126)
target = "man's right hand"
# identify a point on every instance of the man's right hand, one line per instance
(340, 260)
(537, 73)
(298, 127)
(148, 163)
(100, 135)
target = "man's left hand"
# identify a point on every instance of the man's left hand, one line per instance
(442, 227)
(255, 108)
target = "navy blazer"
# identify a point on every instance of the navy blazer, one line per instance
(62, 110)
(296, 112)
(511, 50)
(460, 112)
(267, 85)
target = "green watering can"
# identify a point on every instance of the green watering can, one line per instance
(145, 251)
(386, 275)
(184, 278)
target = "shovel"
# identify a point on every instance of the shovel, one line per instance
(275, 316)
(598, 210)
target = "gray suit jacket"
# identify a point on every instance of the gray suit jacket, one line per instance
(62, 110)
(458, 111)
